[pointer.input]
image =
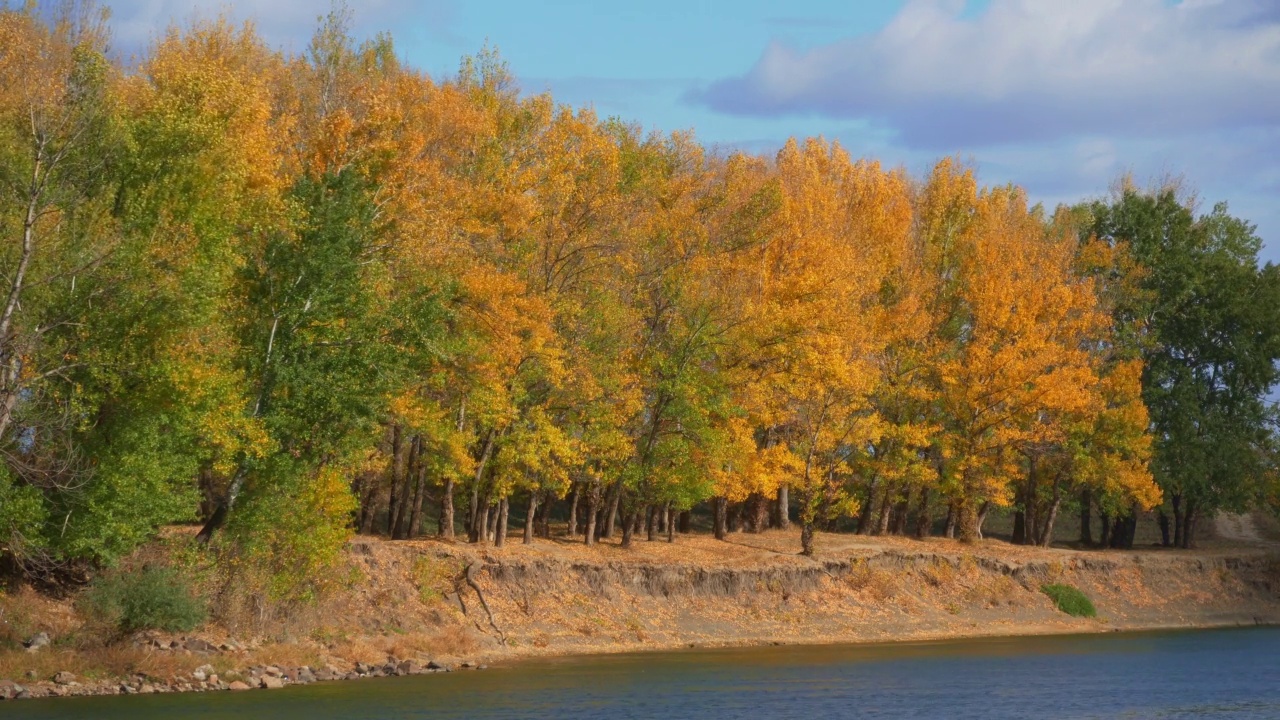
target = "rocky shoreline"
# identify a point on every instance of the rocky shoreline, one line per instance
(205, 678)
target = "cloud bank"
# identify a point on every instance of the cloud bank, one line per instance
(1031, 71)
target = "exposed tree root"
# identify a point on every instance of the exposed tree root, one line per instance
(470, 577)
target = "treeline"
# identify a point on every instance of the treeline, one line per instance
(293, 297)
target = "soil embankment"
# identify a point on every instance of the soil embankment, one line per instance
(558, 598)
(455, 605)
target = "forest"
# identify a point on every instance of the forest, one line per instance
(287, 298)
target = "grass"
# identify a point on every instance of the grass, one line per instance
(1070, 600)
(152, 598)
(435, 577)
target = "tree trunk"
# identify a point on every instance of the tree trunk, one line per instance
(950, 531)
(664, 519)
(394, 501)
(628, 527)
(686, 522)
(542, 518)
(611, 513)
(1019, 536)
(480, 532)
(923, 521)
(1030, 500)
(1086, 517)
(967, 521)
(806, 537)
(368, 502)
(784, 507)
(529, 517)
(446, 510)
(1179, 522)
(1162, 519)
(474, 512)
(1123, 529)
(224, 508)
(593, 502)
(419, 495)
(500, 533)
(1105, 522)
(495, 515)
(573, 510)
(651, 522)
(982, 517)
(720, 521)
(671, 525)
(900, 513)
(882, 520)
(1189, 533)
(864, 513)
(1046, 532)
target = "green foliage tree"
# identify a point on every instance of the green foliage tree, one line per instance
(1211, 316)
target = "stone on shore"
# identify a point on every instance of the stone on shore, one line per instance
(37, 641)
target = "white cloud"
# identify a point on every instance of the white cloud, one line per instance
(1032, 70)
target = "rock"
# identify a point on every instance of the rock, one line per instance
(200, 646)
(327, 674)
(64, 678)
(362, 668)
(237, 685)
(353, 676)
(37, 641)
(408, 667)
(147, 689)
(9, 689)
(203, 672)
(128, 689)
(270, 682)
(433, 665)
(272, 671)
(482, 667)
(213, 679)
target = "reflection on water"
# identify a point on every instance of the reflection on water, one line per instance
(1208, 674)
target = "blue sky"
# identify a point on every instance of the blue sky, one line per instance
(1059, 97)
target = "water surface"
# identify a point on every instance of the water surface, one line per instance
(1202, 674)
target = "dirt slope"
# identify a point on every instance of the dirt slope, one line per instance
(560, 597)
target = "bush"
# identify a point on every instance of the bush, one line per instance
(147, 599)
(1070, 600)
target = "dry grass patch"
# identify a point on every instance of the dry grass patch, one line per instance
(98, 664)
(871, 583)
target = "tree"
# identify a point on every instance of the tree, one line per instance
(1213, 325)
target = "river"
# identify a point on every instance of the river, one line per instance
(1197, 674)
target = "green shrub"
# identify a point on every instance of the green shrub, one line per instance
(1070, 600)
(147, 599)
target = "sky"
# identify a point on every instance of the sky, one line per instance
(1061, 98)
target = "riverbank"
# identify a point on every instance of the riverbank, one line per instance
(430, 606)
